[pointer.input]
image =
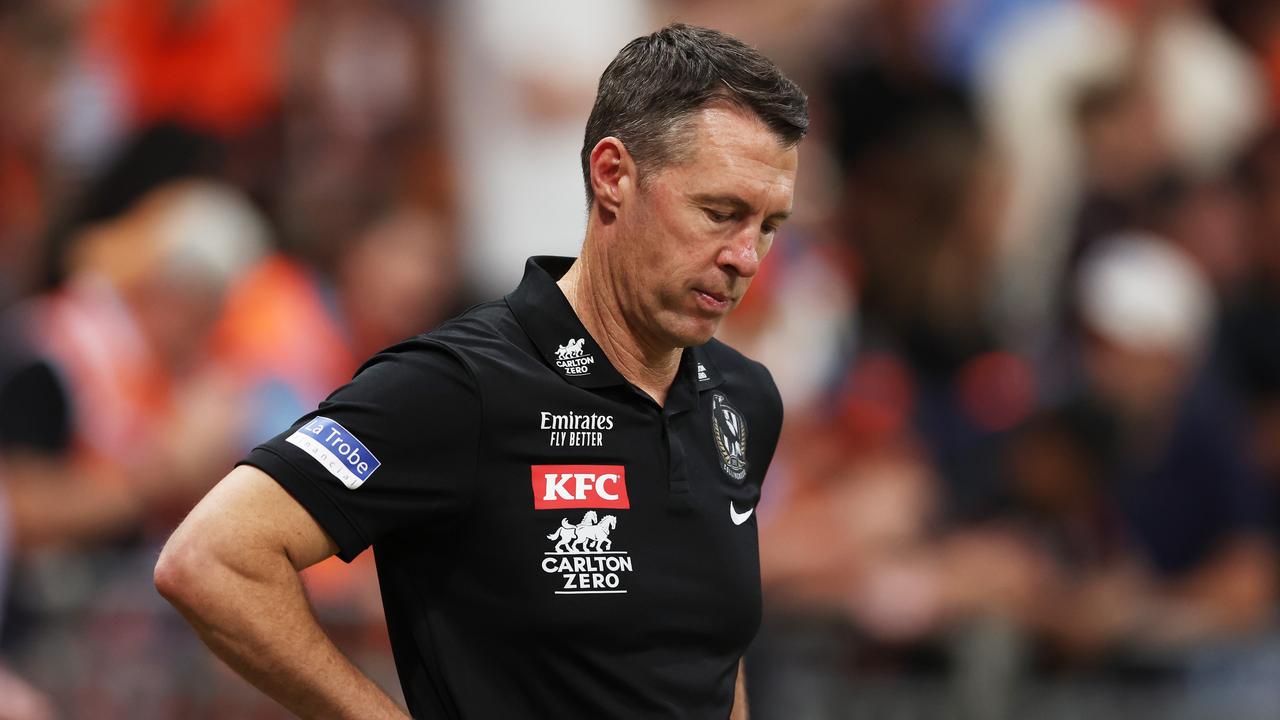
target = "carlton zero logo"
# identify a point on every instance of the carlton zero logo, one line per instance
(583, 556)
(572, 359)
(334, 447)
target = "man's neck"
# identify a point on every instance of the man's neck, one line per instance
(591, 292)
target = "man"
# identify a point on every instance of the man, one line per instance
(559, 486)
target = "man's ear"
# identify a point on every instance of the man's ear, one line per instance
(613, 172)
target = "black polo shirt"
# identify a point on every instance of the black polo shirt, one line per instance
(550, 542)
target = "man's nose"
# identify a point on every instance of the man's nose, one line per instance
(741, 256)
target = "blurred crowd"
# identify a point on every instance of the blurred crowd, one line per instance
(1025, 320)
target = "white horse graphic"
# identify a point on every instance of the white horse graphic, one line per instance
(597, 534)
(573, 348)
(568, 532)
(586, 536)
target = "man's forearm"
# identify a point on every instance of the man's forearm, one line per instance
(259, 622)
(739, 711)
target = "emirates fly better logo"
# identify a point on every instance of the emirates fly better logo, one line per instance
(583, 555)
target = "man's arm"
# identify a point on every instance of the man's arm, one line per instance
(739, 711)
(231, 568)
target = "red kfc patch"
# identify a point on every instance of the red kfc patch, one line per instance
(579, 486)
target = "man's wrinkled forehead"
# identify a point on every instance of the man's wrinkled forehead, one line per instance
(733, 159)
(698, 130)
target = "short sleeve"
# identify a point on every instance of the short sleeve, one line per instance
(772, 426)
(395, 446)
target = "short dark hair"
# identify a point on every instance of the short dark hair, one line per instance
(658, 81)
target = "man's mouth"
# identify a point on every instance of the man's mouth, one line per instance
(711, 300)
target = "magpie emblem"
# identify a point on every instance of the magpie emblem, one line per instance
(729, 429)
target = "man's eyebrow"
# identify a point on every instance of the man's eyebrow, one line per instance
(738, 204)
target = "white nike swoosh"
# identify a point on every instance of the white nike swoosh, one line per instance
(737, 517)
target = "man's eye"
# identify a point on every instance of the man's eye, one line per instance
(718, 216)
(769, 229)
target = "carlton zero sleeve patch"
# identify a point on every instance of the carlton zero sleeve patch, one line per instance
(334, 447)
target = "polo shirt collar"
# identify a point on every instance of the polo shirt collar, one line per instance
(705, 373)
(550, 322)
(566, 346)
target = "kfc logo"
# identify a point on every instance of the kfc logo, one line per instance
(579, 486)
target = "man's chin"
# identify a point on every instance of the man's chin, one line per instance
(695, 334)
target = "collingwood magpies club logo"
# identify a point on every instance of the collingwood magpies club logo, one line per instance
(729, 429)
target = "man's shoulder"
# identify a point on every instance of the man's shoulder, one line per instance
(738, 370)
(729, 360)
(488, 329)
(460, 355)
(480, 321)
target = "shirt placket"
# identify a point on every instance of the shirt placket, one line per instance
(679, 497)
(675, 418)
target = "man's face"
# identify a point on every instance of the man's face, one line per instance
(692, 236)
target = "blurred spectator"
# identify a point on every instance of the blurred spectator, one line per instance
(919, 207)
(123, 337)
(1250, 330)
(889, 544)
(362, 118)
(964, 30)
(1201, 89)
(1123, 162)
(112, 423)
(43, 426)
(215, 68)
(294, 330)
(1192, 566)
(1257, 24)
(523, 80)
(213, 65)
(150, 158)
(32, 41)
(917, 195)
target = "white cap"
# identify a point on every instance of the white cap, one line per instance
(208, 230)
(1141, 292)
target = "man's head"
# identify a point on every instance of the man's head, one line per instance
(690, 163)
(1147, 314)
(650, 92)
